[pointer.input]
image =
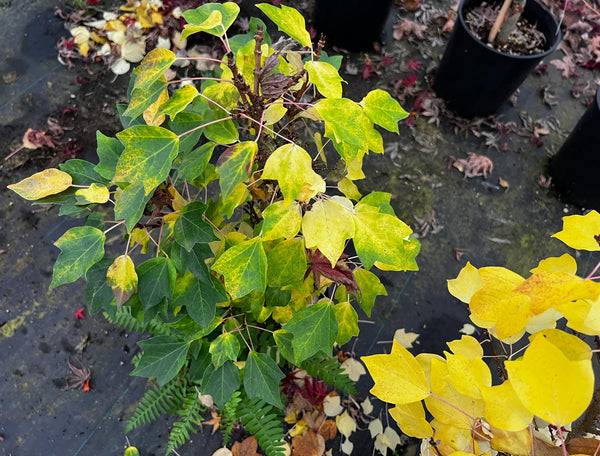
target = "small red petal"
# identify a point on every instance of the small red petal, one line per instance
(79, 314)
(86, 386)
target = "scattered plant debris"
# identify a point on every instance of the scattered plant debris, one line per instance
(81, 379)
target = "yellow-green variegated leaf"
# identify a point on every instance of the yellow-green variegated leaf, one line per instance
(48, 182)
(274, 113)
(281, 221)
(325, 77)
(328, 225)
(383, 110)
(122, 278)
(212, 18)
(95, 193)
(289, 21)
(291, 166)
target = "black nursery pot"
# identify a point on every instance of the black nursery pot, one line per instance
(475, 79)
(575, 169)
(352, 24)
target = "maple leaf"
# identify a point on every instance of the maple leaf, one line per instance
(81, 379)
(314, 390)
(414, 65)
(79, 314)
(387, 60)
(411, 80)
(215, 422)
(340, 274)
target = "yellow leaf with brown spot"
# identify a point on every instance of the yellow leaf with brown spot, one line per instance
(411, 420)
(547, 289)
(466, 284)
(580, 231)
(554, 382)
(48, 182)
(399, 378)
(503, 409)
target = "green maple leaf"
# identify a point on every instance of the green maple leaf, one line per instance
(81, 247)
(314, 330)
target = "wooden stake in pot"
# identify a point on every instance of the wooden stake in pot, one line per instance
(505, 24)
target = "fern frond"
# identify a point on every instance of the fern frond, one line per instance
(266, 423)
(127, 321)
(330, 371)
(157, 401)
(230, 416)
(190, 417)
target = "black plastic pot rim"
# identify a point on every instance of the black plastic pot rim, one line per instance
(550, 49)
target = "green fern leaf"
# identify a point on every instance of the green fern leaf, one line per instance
(126, 320)
(190, 417)
(266, 423)
(157, 401)
(330, 371)
(229, 416)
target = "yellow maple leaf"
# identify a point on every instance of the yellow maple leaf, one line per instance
(466, 284)
(399, 379)
(564, 263)
(503, 409)
(122, 278)
(411, 420)
(468, 376)
(499, 303)
(466, 346)
(579, 231)
(582, 316)
(553, 382)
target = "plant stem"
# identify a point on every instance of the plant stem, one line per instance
(562, 440)
(591, 275)
(199, 78)
(14, 152)
(114, 226)
(510, 24)
(499, 21)
(204, 125)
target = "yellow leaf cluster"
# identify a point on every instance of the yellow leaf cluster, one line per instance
(508, 304)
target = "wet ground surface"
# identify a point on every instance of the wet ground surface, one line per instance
(459, 219)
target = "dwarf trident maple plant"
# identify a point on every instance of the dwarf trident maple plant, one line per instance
(232, 237)
(544, 385)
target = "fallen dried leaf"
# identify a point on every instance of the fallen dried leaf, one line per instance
(328, 430)
(308, 444)
(248, 447)
(503, 183)
(404, 338)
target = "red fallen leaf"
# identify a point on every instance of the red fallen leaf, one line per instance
(414, 65)
(93, 2)
(314, 390)
(387, 61)
(86, 386)
(411, 80)
(79, 314)
(34, 139)
(340, 274)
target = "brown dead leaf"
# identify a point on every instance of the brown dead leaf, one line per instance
(541, 448)
(409, 5)
(328, 430)
(503, 183)
(215, 422)
(583, 446)
(247, 447)
(308, 444)
(406, 29)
